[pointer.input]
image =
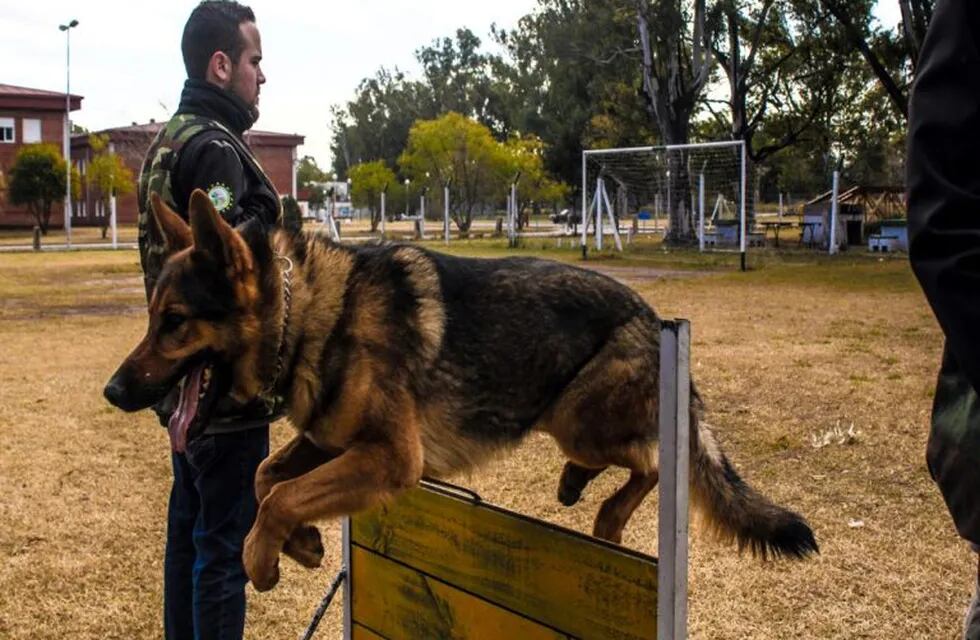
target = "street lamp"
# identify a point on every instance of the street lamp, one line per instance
(67, 29)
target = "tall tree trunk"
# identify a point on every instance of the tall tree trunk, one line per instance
(674, 75)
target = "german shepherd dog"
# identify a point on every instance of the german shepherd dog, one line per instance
(396, 362)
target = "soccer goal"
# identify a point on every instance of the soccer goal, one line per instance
(688, 191)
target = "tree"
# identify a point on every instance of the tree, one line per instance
(570, 76)
(460, 151)
(107, 175)
(368, 180)
(675, 69)
(375, 124)
(317, 198)
(536, 186)
(37, 180)
(891, 56)
(308, 172)
(457, 78)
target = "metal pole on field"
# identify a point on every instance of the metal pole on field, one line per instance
(780, 205)
(600, 189)
(701, 212)
(585, 235)
(744, 189)
(445, 199)
(67, 29)
(384, 193)
(674, 454)
(833, 214)
(112, 220)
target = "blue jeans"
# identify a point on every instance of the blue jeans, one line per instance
(212, 508)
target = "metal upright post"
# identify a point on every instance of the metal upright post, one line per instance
(67, 213)
(112, 220)
(743, 208)
(384, 193)
(585, 204)
(701, 212)
(600, 192)
(445, 200)
(674, 456)
(833, 213)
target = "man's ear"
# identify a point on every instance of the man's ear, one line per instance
(220, 69)
(176, 234)
(215, 237)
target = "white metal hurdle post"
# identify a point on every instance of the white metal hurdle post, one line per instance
(675, 401)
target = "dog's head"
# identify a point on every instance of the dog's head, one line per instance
(203, 321)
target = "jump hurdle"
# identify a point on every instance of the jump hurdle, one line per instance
(441, 563)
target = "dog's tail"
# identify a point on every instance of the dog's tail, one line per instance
(735, 510)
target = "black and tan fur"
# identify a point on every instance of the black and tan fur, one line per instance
(400, 362)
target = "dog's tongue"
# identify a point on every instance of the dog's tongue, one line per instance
(182, 418)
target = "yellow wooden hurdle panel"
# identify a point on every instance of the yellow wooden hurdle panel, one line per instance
(435, 564)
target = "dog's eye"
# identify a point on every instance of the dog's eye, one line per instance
(172, 320)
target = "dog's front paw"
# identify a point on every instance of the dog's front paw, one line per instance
(261, 562)
(305, 546)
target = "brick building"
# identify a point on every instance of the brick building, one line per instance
(28, 116)
(276, 152)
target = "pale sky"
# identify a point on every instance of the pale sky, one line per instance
(125, 57)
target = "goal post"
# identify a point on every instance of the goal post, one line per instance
(701, 190)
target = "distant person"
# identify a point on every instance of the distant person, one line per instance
(212, 502)
(944, 234)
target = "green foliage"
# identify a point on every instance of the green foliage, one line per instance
(37, 180)
(292, 216)
(792, 77)
(317, 198)
(536, 187)
(307, 172)
(368, 181)
(107, 172)
(375, 124)
(463, 152)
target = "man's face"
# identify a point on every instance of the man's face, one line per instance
(246, 74)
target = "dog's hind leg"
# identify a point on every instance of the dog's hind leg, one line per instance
(618, 508)
(574, 479)
(297, 457)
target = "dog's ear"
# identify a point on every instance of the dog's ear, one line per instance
(215, 237)
(175, 233)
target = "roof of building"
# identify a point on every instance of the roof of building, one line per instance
(15, 97)
(150, 128)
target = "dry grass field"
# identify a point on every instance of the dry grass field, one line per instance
(784, 355)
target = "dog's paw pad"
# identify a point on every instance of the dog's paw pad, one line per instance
(305, 546)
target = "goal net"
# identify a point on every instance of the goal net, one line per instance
(691, 193)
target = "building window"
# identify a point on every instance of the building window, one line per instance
(32, 130)
(6, 130)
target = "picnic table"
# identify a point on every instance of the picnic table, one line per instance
(775, 226)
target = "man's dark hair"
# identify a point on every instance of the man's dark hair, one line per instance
(213, 26)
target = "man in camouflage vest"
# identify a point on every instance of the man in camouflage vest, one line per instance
(212, 501)
(944, 235)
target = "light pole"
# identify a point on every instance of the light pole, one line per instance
(67, 29)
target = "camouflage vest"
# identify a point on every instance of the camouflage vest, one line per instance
(156, 175)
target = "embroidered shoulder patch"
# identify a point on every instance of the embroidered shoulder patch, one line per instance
(221, 196)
